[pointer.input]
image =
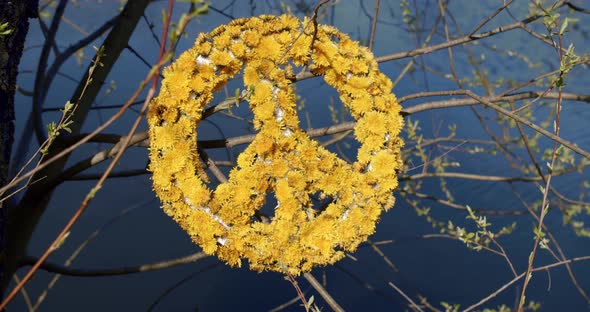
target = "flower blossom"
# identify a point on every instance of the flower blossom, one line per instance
(282, 159)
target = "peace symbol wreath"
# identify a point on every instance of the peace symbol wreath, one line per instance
(282, 157)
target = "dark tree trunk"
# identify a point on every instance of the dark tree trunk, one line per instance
(16, 14)
(22, 219)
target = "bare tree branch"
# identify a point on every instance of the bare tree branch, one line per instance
(64, 270)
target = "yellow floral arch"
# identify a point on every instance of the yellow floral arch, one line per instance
(281, 157)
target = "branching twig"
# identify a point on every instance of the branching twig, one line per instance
(323, 292)
(374, 25)
(545, 204)
(40, 75)
(412, 303)
(65, 231)
(520, 276)
(59, 269)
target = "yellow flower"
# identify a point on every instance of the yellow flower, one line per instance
(263, 144)
(269, 48)
(359, 67)
(239, 49)
(197, 84)
(251, 38)
(279, 168)
(174, 161)
(360, 104)
(300, 50)
(361, 83)
(220, 58)
(205, 70)
(290, 22)
(284, 38)
(203, 46)
(348, 47)
(296, 180)
(251, 76)
(222, 41)
(166, 138)
(282, 158)
(384, 164)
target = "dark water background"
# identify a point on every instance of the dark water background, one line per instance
(438, 269)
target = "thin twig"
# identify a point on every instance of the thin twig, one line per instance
(545, 205)
(463, 207)
(412, 303)
(411, 62)
(459, 41)
(557, 245)
(516, 279)
(468, 176)
(300, 294)
(78, 250)
(489, 18)
(64, 270)
(286, 304)
(323, 292)
(383, 255)
(66, 229)
(65, 55)
(185, 279)
(314, 20)
(530, 124)
(40, 75)
(374, 25)
(26, 296)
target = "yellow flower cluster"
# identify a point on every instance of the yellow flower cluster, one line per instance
(282, 158)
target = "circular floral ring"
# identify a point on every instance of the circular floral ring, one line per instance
(282, 158)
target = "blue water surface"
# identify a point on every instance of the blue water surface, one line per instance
(438, 269)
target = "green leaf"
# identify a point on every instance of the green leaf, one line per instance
(61, 241)
(66, 126)
(538, 232)
(92, 193)
(51, 128)
(67, 107)
(563, 26)
(310, 302)
(4, 30)
(237, 95)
